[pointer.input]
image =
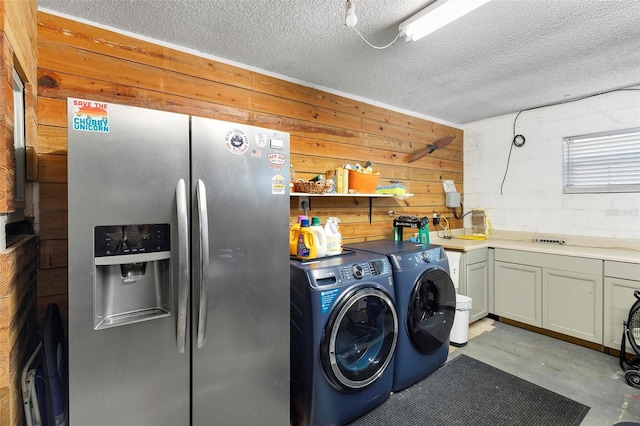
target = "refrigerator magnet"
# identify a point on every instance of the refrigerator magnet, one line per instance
(278, 183)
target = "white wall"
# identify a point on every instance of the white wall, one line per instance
(532, 199)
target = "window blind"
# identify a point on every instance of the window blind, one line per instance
(602, 162)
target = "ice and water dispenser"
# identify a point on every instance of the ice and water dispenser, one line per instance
(132, 281)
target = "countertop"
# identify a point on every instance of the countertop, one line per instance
(594, 248)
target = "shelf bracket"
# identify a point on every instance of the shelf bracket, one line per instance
(370, 209)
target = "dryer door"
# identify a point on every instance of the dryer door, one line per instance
(359, 340)
(431, 310)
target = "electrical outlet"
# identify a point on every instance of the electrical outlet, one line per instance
(436, 219)
(303, 204)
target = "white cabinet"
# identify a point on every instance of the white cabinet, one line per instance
(620, 281)
(473, 282)
(572, 303)
(518, 292)
(477, 290)
(558, 293)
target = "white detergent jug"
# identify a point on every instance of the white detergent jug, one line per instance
(334, 237)
(320, 237)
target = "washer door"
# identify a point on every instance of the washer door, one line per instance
(359, 340)
(431, 310)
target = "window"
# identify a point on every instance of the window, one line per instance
(602, 162)
(19, 151)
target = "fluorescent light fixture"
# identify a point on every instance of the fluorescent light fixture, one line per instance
(435, 16)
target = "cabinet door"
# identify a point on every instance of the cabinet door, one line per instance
(518, 292)
(618, 298)
(478, 290)
(572, 304)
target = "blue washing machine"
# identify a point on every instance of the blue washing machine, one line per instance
(344, 331)
(426, 302)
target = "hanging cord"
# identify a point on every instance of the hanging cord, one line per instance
(371, 45)
(455, 214)
(446, 231)
(351, 20)
(518, 140)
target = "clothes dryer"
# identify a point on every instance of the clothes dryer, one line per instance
(426, 303)
(344, 330)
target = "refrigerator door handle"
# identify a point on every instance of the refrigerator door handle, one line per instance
(183, 264)
(201, 195)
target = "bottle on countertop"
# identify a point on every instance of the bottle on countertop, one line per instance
(293, 235)
(334, 237)
(332, 230)
(321, 238)
(306, 247)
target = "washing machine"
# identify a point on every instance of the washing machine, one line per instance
(426, 303)
(344, 331)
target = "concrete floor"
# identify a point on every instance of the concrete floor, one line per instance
(590, 377)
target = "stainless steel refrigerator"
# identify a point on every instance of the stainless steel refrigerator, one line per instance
(178, 269)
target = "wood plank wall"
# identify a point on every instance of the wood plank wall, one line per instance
(78, 60)
(18, 330)
(17, 324)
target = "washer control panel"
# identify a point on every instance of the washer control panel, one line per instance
(360, 270)
(351, 272)
(357, 271)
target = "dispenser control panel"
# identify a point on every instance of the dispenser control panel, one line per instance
(117, 240)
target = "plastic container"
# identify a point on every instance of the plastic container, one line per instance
(460, 330)
(363, 183)
(306, 247)
(293, 236)
(334, 237)
(423, 235)
(321, 238)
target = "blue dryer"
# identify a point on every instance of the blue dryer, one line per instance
(426, 302)
(344, 331)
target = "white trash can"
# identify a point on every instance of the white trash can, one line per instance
(460, 329)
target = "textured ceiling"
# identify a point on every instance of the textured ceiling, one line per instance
(506, 56)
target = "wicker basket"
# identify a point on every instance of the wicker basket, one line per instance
(318, 187)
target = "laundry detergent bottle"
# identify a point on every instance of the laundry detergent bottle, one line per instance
(306, 246)
(321, 238)
(334, 237)
(293, 236)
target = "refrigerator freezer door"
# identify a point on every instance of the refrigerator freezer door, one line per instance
(124, 164)
(241, 373)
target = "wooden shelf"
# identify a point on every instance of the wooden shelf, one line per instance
(306, 194)
(369, 196)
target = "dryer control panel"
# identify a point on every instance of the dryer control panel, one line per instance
(429, 256)
(419, 258)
